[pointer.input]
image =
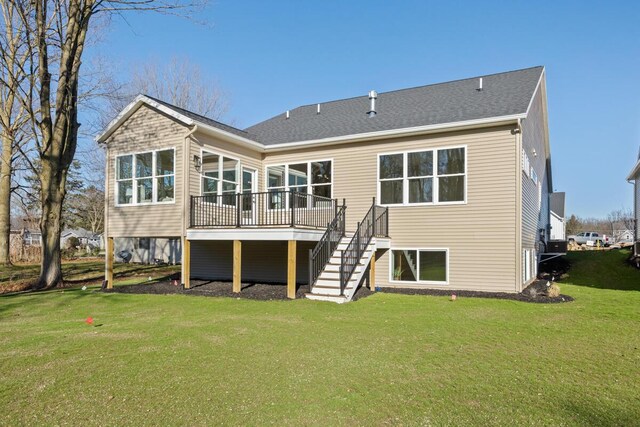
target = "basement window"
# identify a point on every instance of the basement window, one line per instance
(420, 266)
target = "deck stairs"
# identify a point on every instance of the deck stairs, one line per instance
(327, 287)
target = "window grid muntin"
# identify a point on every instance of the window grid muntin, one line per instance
(435, 177)
(134, 178)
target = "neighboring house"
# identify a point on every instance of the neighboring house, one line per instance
(85, 238)
(624, 236)
(634, 178)
(29, 237)
(556, 215)
(460, 173)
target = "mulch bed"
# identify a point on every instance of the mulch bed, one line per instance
(534, 293)
(543, 299)
(254, 291)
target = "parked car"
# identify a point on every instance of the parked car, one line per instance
(590, 236)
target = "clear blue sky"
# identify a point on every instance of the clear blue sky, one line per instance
(270, 56)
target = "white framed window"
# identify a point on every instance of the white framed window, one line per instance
(145, 178)
(220, 177)
(419, 265)
(312, 177)
(437, 176)
(534, 176)
(526, 165)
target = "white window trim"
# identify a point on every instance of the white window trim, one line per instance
(418, 282)
(220, 173)
(286, 177)
(153, 177)
(405, 178)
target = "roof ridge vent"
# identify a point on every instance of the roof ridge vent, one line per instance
(373, 95)
(479, 89)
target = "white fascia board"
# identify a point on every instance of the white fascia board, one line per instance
(133, 107)
(535, 90)
(634, 172)
(395, 133)
(263, 234)
(228, 136)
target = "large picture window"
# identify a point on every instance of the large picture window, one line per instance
(145, 178)
(422, 177)
(313, 177)
(419, 265)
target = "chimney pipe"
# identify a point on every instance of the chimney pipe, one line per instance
(373, 95)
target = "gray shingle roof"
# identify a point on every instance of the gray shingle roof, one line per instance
(204, 119)
(503, 94)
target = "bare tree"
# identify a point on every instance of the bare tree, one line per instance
(177, 81)
(56, 33)
(13, 116)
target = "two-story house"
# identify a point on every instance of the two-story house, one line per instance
(443, 186)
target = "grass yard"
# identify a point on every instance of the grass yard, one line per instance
(384, 360)
(82, 272)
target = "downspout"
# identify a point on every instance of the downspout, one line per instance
(186, 151)
(518, 239)
(106, 211)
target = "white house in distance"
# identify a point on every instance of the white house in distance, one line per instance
(444, 186)
(634, 178)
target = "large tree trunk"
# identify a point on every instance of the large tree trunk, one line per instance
(5, 199)
(53, 180)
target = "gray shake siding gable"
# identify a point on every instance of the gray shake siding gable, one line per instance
(485, 236)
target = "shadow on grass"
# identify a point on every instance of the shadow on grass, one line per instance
(602, 270)
(592, 414)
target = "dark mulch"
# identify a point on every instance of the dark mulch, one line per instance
(478, 294)
(255, 291)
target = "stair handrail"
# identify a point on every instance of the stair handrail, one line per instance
(320, 255)
(374, 223)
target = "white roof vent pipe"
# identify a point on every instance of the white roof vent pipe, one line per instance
(479, 85)
(318, 110)
(373, 95)
(287, 114)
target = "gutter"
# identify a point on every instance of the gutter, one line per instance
(369, 136)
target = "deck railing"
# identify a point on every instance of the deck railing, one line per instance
(374, 224)
(280, 208)
(321, 254)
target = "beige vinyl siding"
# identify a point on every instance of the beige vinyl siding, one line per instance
(479, 234)
(248, 158)
(264, 262)
(147, 129)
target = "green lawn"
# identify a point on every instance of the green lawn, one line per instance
(80, 272)
(384, 360)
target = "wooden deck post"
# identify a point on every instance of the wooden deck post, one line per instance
(186, 263)
(237, 266)
(291, 270)
(372, 273)
(109, 263)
